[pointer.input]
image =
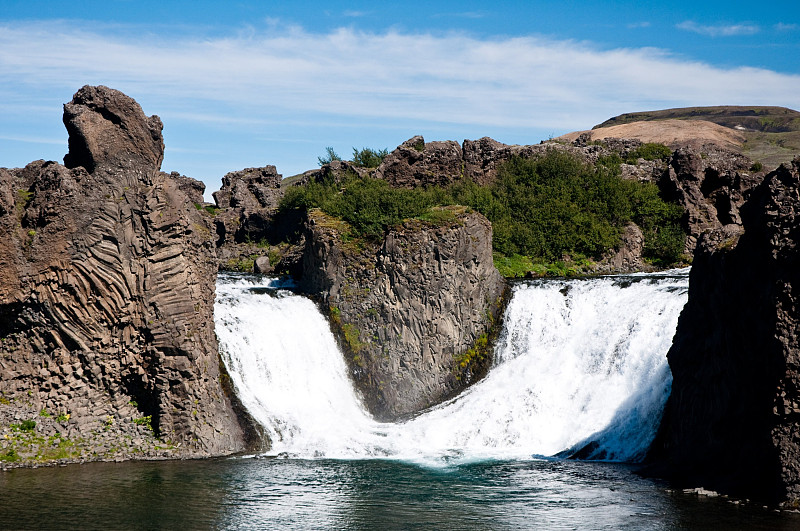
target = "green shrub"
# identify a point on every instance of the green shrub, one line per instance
(25, 425)
(368, 205)
(329, 156)
(545, 208)
(649, 151)
(146, 421)
(10, 455)
(369, 158)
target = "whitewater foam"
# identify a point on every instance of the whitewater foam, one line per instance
(577, 361)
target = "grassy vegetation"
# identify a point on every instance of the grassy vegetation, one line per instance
(772, 134)
(242, 264)
(649, 151)
(478, 352)
(368, 205)
(544, 211)
(211, 210)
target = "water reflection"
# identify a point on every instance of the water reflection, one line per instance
(381, 494)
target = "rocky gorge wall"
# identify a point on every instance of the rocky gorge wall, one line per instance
(732, 422)
(107, 279)
(410, 307)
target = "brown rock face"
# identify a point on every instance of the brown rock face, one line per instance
(193, 188)
(107, 284)
(250, 189)
(248, 199)
(408, 307)
(711, 184)
(732, 422)
(415, 163)
(107, 128)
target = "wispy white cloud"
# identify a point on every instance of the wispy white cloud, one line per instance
(780, 26)
(731, 30)
(461, 14)
(33, 140)
(273, 76)
(355, 14)
(636, 25)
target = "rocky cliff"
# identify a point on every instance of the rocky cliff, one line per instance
(414, 310)
(732, 422)
(711, 184)
(107, 280)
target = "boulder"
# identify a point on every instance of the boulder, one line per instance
(261, 265)
(107, 128)
(192, 188)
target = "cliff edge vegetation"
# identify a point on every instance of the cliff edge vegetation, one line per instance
(546, 211)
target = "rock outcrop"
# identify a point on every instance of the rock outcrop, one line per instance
(711, 184)
(107, 281)
(414, 310)
(192, 188)
(416, 163)
(244, 216)
(732, 422)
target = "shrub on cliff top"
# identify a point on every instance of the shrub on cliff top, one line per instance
(329, 156)
(369, 158)
(558, 205)
(369, 205)
(543, 208)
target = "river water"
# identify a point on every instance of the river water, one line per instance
(578, 362)
(360, 494)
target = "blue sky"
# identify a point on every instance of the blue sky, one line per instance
(241, 84)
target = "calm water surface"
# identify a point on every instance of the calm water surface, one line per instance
(377, 494)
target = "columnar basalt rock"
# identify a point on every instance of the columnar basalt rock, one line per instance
(410, 307)
(732, 422)
(107, 280)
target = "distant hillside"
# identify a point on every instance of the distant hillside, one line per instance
(771, 135)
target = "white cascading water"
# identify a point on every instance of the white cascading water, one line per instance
(578, 362)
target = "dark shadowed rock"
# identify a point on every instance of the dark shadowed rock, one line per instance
(407, 308)
(107, 280)
(249, 199)
(732, 422)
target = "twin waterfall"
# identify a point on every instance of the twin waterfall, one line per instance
(580, 365)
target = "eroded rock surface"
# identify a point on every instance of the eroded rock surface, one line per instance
(408, 307)
(711, 184)
(732, 422)
(417, 163)
(107, 284)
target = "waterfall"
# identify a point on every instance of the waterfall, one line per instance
(580, 366)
